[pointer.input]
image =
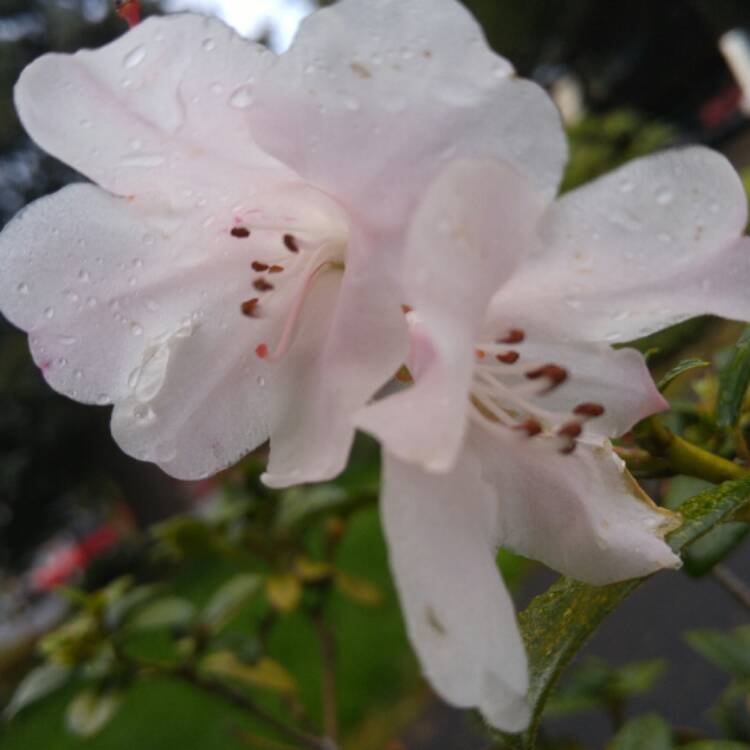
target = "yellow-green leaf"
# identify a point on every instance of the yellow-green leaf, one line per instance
(89, 712)
(266, 673)
(284, 592)
(361, 591)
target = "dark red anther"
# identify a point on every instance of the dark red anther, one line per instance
(571, 430)
(589, 410)
(509, 358)
(240, 232)
(261, 351)
(290, 242)
(569, 448)
(554, 373)
(479, 354)
(262, 285)
(515, 336)
(406, 309)
(531, 427)
(250, 307)
(259, 267)
(275, 269)
(129, 11)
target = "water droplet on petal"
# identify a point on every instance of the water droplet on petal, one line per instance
(261, 381)
(242, 97)
(67, 340)
(136, 144)
(148, 239)
(72, 297)
(23, 288)
(83, 276)
(135, 57)
(665, 238)
(85, 123)
(49, 312)
(626, 186)
(78, 374)
(209, 45)
(351, 104)
(664, 197)
(136, 329)
(102, 399)
(144, 413)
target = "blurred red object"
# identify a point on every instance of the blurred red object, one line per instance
(129, 10)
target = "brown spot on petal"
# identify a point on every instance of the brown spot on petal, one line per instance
(259, 267)
(515, 336)
(589, 410)
(479, 354)
(508, 358)
(360, 71)
(250, 307)
(290, 242)
(275, 269)
(262, 285)
(406, 309)
(240, 232)
(569, 448)
(531, 427)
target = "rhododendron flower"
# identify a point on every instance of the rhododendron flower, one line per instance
(503, 438)
(231, 276)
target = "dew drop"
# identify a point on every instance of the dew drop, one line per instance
(573, 304)
(102, 399)
(216, 89)
(83, 276)
(626, 186)
(68, 340)
(352, 104)
(260, 380)
(23, 288)
(84, 123)
(135, 57)
(152, 306)
(49, 312)
(136, 329)
(137, 263)
(664, 197)
(665, 238)
(144, 413)
(62, 362)
(72, 297)
(242, 97)
(209, 45)
(78, 374)
(148, 239)
(136, 144)
(92, 302)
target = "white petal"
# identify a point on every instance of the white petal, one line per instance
(441, 533)
(581, 514)
(154, 110)
(646, 246)
(374, 96)
(474, 224)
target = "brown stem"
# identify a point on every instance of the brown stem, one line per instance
(328, 658)
(733, 584)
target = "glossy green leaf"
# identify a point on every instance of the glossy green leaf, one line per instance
(685, 366)
(90, 711)
(649, 732)
(557, 623)
(230, 600)
(727, 650)
(169, 612)
(733, 383)
(37, 684)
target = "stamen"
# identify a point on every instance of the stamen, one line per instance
(589, 410)
(508, 358)
(240, 232)
(515, 336)
(294, 314)
(406, 309)
(259, 267)
(571, 430)
(554, 373)
(530, 426)
(262, 285)
(290, 242)
(275, 269)
(250, 307)
(479, 354)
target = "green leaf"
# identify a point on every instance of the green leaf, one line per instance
(116, 612)
(715, 745)
(37, 684)
(714, 547)
(230, 600)
(733, 383)
(557, 623)
(90, 711)
(302, 503)
(685, 366)
(265, 673)
(169, 612)
(648, 732)
(729, 651)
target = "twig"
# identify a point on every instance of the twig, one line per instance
(328, 659)
(733, 584)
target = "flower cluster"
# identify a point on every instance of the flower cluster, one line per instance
(267, 240)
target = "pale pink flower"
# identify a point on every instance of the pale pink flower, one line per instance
(231, 276)
(503, 439)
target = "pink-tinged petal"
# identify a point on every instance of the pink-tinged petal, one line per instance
(159, 109)
(580, 513)
(474, 224)
(218, 400)
(649, 245)
(616, 384)
(442, 534)
(373, 97)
